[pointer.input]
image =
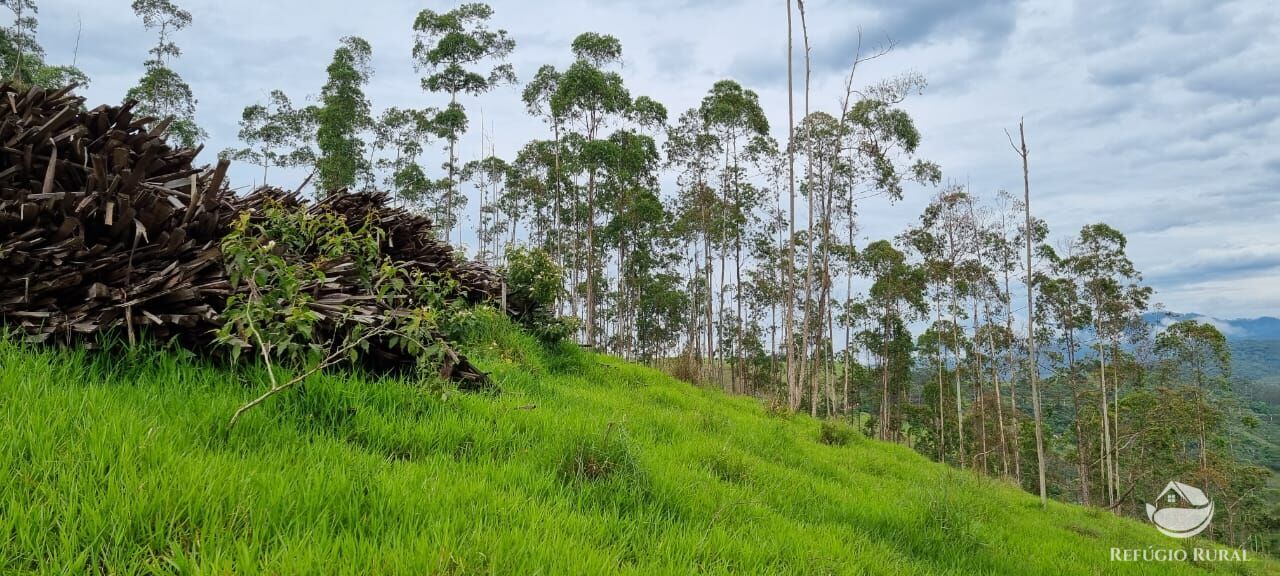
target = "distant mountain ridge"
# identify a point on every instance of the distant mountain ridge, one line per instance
(1255, 370)
(1261, 328)
(1254, 343)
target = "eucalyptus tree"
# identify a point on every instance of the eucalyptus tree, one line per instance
(22, 58)
(534, 183)
(660, 306)
(461, 56)
(343, 114)
(537, 95)
(929, 346)
(928, 249)
(810, 189)
(275, 134)
(872, 154)
(1111, 287)
(692, 151)
(20, 52)
(1063, 315)
(940, 342)
(628, 197)
(594, 98)
(1185, 422)
(989, 337)
(896, 298)
(640, 228)
(943, 244)
(767, 288)
(161, 92)
(854, 313)
(998, 341)
(1005, 256)
(405, 131)
(929, 243)
(489, 175)
(1191, 426)
(982, 288)
(819, 135)
(733, 116)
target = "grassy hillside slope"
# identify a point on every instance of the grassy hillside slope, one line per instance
(582, 465)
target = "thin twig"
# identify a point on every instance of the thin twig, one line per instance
(329, 361)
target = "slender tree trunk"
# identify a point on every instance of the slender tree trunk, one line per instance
(848, 294)
(720, 323)
(554, 235)
(578, 233)
(824, 300)
(694, 338)
(776, 299)
(590, 257)
(1013, 380)
(737, 338)
(482, 247)
(792, 394)
(955, 343)
(955, 350)
(1108, 471)
(995, 379)
(17, 61)
(1082, 460)
(1204, 447)
(514, 219)
(807, 321)
(706, 273)
(1115, 427)
(453, 162)
(1033, 368)
(942, 418)
(739, 372)
(884, 380)
(977, 381)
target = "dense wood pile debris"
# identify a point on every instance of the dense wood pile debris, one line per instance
(106, 228)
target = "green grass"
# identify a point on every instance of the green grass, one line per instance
(583, 464)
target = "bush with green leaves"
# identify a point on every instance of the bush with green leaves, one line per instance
(282, 258)
(834, 433)
(274, 262)
(535, 282)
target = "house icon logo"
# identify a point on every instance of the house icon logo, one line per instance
(1181, 511)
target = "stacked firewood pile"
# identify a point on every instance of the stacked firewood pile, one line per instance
(106, 228)
(411, 240)
(101, 223)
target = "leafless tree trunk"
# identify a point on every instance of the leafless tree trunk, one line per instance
(806, 323)
(793, 396)
(1033, 368)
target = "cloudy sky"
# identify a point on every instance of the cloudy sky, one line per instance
(1159, 118)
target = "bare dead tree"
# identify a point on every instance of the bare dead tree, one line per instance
(1033, 367)
(806, 319)
(793, 396)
